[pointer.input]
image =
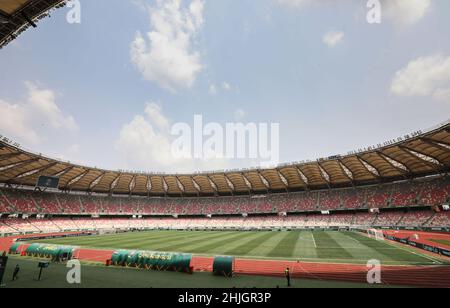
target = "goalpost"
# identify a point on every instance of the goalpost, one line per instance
(106, 231)
(375, 234)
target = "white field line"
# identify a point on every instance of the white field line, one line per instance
(314, 240)
(435, 261)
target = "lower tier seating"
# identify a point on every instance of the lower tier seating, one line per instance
(385, 219)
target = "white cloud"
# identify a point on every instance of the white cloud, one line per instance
(406, 12)
(15, 122)
(146, 143)
(166, 55)
(426, 76)
(154, 113)
(213, 89)
(43, 101)
(27, 120)
(332, 38)
(226, 86)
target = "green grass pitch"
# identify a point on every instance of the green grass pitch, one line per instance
(317, 246)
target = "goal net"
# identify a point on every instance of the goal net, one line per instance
(376, 234)
(107, 231)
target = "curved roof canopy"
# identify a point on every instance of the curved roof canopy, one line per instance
(422, 155)
(17, 15)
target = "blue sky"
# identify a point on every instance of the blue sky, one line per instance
(104, 92)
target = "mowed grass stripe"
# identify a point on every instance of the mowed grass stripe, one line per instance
(130, 241)
(253, 243)
(191, 243)
(304, 248)
(222, 244)
(151, 244)
(328, 248)
(286, 246)
(106, 239)
(266, 247)
(123, 242)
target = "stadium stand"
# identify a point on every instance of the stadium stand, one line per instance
(399, 195)
(46, 202)
(434, 192)
(378, 197)
(439, 220)
(353, 199)
(403, 184)
(21, 201)
(69, 204)
(388, 219)
(404, 194)
(415, 219)
(364, 219)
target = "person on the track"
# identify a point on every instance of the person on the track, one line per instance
(16, 272)
(287, 273)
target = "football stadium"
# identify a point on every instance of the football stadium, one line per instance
(378, 217)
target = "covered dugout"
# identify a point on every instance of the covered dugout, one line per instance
(54, 252)
(153, 260)
(15, 248)
(224, 266)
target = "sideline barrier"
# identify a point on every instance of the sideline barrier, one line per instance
(152, 260)
(223, 266)
(429, 248)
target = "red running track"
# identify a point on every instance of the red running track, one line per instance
(418, 276)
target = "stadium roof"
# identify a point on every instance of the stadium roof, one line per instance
(422, 155)
(17, 15)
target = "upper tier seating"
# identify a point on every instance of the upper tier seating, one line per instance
(47, 202)
(69, 204)
(353, 198)
(404, 195)
(22, 201)
(378, 197)
(434, 192)
(407, 194)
